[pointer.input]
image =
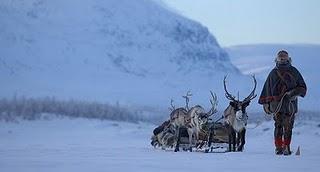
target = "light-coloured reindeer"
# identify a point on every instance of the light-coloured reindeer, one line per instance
(235, 117)
(193, 119)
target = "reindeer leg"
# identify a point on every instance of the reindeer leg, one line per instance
(229, 143)
(178, 134)
(201, 143)
(234, 141)
(208, 142)
(197, 137)
(190, 133)
(230, 138)
(238, 138)
(243, 140)
(210, 138)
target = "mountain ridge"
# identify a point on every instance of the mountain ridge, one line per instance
(106, 50)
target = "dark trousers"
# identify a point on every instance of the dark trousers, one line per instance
(283, 129)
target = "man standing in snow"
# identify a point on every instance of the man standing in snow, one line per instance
(279, 97)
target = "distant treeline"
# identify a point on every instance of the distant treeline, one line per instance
(35, 108)
(20, 107)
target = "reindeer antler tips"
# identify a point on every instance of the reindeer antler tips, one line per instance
(214, 103)
(188, 94)
(252, 95)
(172, 105)
(187, 97)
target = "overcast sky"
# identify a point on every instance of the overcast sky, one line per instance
(236, 22)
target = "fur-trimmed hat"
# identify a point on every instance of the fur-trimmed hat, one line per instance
(283, 57)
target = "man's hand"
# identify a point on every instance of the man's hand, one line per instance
(266, 108)
(295, 92)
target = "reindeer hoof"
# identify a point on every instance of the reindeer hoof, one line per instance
(240, 150)
(176, 150)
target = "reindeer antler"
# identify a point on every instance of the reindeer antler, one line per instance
(214, 104)
(252, 95)
(227, 94)
(187, 97)
(172, 108)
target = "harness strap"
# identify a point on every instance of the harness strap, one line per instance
(219, 119)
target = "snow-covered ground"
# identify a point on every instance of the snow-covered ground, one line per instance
(91, 145)
(135, 52)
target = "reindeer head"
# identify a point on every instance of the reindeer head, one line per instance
(239, 107)
(203, 117)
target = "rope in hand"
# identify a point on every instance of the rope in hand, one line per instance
(280, 104)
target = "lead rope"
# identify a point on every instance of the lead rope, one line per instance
(257, 125)
(277, 111)
(291, 111)
(281, 101)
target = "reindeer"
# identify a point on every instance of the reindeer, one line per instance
(178, 118)
(194, 119)
(177, 121)
(165, 134)
(235, 117)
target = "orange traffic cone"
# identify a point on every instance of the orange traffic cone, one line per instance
(298, 151)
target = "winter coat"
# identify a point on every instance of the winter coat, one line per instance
(282, 79)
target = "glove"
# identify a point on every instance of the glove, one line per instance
(266, 108)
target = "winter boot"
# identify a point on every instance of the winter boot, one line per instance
(287, 151)
(279, 151)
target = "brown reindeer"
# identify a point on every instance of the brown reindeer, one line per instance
(235, 117)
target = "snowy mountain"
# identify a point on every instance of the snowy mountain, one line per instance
(259, 59)
(131, 51)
